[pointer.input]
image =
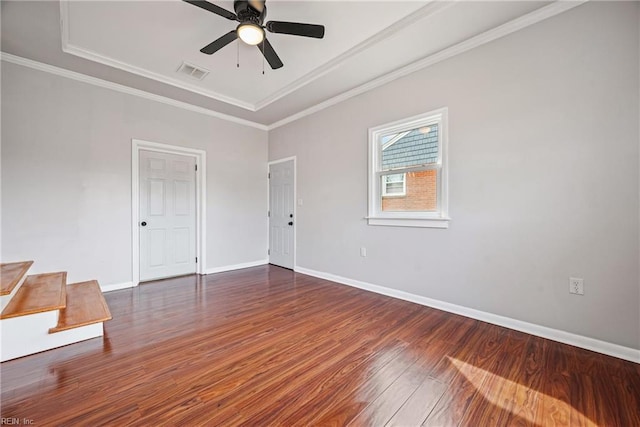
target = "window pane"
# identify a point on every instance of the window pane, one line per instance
(421, 193)
(394, 178)
(395, 188)
(393, 185)
(410, 148)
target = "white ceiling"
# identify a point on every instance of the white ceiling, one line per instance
(140, 44)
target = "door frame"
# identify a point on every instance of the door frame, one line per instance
(295, 205)
(201, 201)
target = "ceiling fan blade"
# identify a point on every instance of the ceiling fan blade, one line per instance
(218, 44)
(296, 29)
(270, 54)
(213, 8)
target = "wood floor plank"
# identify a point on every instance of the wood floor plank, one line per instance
(267, 346)
(450, 409)
(471, 336)
(388, 403)
(526, 377)
(419, 405)
(495, 403)
(554, 407)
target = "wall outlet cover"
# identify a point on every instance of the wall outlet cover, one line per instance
(576, 286)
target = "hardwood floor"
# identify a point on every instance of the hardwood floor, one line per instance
(265, 346)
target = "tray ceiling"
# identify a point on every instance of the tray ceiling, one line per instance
(142, 44)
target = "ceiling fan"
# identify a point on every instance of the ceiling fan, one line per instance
(251, 14)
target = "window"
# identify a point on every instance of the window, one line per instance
(408, 172)
(394, 185)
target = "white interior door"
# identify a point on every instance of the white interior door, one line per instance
(281, 210)
(167, 215)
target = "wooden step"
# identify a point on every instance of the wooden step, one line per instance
(10, 275)
(39, 293)
(85, 305)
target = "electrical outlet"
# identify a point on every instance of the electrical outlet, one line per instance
(363, 252)
(576, 286)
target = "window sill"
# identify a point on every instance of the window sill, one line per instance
(410, 222)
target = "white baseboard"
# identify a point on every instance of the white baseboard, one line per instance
(581, 341)
(125, 285)
(237, 266)
(116, 286)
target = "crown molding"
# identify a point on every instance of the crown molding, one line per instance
(90, 55)
(111, 62)
(430, 9)
(18, 60)
(512, 26)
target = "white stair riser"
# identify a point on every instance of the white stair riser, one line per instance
(24, 335)
(6, 298)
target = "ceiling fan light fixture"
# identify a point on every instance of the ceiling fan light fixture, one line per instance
(251, 34)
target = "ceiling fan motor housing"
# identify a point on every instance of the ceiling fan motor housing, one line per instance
(248, 14)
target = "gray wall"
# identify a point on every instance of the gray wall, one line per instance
(544, 162)
(66, 175)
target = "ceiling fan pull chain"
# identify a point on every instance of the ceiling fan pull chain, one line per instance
(238, 55)
(263, 43)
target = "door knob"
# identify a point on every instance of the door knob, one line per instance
(290, 222)
(143, 223)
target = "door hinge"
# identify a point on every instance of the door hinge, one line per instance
(269, 214)
(196, 260)
(269, 175)
(196, 168)
(268, 251)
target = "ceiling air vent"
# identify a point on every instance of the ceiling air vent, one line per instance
(193, 71)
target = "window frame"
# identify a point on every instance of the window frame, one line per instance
(404, 186)
(436, 219)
